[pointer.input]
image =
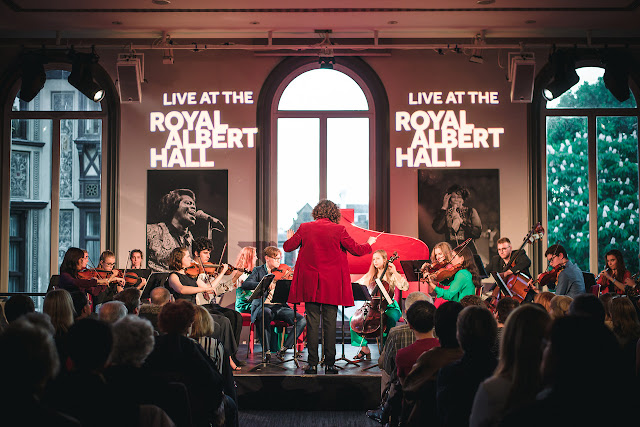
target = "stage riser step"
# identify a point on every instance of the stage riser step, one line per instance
(308, 392)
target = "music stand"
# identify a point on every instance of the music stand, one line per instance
(503, 286)
(411, 269)
(280, 296)
(155, 280)
(258, 293)
(360, 293)
(481, 270)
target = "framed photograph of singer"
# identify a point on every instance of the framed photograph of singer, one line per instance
(455, 205)
(183, 205)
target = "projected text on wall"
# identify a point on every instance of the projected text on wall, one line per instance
(194, 136)
(438, 132)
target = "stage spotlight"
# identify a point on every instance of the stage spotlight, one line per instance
(564, 76)
(616, 75)
(81, 76)
(33, 76)
(326, 62)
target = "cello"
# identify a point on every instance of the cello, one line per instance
(367, 320)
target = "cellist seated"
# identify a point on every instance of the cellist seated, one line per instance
(392, 312)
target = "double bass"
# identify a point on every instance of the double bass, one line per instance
(367, 319)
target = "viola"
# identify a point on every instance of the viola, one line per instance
(367, 320)
(283, 272)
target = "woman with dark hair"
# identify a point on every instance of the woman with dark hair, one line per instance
(321, 278)
(75, 260)
(455, 220)
(517, 379)
(615, 277)
(183, 286)
(178, 210)
(464, 282)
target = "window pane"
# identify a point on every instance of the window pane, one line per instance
(590, 92)
(348, 166)
(57, 95)
(568, 186)
(30, 205)
(323, 89)
(617, 139)
(93, 224)
(298, 172)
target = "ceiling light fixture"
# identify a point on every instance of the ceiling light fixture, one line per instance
(33, 76)
(81, 76)
(564, 75)
(616, 74)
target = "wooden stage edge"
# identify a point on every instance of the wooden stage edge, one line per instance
(271, 388)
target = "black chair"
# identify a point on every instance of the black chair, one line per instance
(53, 282)
(589, 282)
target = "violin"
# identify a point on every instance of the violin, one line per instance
(94, 273)
(283, 272)
(367, 320)
(544, 279)
(446, 272)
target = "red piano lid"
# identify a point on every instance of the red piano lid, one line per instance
(408, 248)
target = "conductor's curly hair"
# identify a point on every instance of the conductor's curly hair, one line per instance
(327, 209)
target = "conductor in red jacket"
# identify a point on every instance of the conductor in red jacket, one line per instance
(321, 277)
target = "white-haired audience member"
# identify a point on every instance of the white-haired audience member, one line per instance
(112, 311)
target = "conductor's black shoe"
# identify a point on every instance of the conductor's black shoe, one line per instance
(311, 370)
(330, 370)
(375, 415)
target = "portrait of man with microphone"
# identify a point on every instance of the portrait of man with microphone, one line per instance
(179, 213)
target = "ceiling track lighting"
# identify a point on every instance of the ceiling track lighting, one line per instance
(81, 76)
(564, 75)
(616, 74)
(33, 75)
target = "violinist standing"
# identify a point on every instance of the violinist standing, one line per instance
(321, 278)
(570, 280)
(464, 277)
(392, 312)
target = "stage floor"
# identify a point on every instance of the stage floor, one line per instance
(273, 388)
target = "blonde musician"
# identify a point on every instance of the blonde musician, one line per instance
(393, 312)
(464, 275)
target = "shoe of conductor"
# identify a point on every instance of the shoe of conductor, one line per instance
(311, 370)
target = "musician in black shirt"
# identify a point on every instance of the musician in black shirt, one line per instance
(502, 263)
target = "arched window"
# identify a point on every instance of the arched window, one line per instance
(56, 177)
(592, 173)
(321, 140)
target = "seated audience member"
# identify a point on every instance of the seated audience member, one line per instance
(130, 297)
(81, 305)
(587, 305)
(568, 370)
(29, 353)
(627, 330)
(420, 317)
(419, 388)
(544, 299)
(472, 300)
(517, 379)
(559, 306)
(112, 311)
(16, 306)
(133, 341)
(59, 306)
(504, 307)
(399, 337)
(179, 358)
(605, 299)
(458, 382)
(159, 297)
(79, 391)
(202, 331)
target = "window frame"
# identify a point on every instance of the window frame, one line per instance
(267, 115)
(538, 154)
(110, 116)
